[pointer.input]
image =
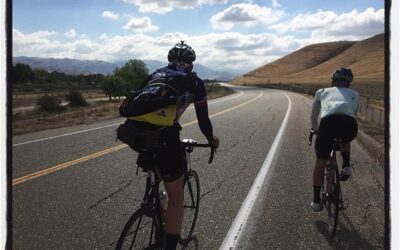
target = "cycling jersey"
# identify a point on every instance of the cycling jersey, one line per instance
(170, 157)
(332, 101)
(191, 89)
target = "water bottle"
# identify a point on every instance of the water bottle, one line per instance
(163, 204)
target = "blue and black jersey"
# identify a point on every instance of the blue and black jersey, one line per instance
(189, 87)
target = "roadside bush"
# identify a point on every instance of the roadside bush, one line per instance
(49, 104)
(76, 99)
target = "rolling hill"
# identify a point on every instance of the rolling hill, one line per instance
(314, 64)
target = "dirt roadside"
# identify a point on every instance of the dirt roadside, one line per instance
(31, 120)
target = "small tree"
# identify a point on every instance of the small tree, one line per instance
(76, 99)
(22, 73)
(49, 104)
(114, 86)
(133, 73)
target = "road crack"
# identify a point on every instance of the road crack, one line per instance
(221, 183)
(112, 194)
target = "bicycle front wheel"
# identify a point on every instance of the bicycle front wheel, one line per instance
(190, 206)
(333, 202)
(142, 231)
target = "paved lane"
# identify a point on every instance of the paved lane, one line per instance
(86, 205)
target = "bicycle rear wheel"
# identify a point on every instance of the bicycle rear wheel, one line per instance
(190, 206)
(333, 201)
(142, 231)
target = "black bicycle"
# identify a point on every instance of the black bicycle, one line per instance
(144, 229)
(332, 197)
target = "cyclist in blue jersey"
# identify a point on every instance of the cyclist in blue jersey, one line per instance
(338, 106)
(170, 157)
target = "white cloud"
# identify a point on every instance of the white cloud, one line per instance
(163, 6)
(110, 15)
(245, 14)
(329, 26)
(275, 3)
(221, 51)
(70, 33)
(140, 25)
(104, 36)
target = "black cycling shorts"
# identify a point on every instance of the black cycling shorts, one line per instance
(170, 158)
(341, 127)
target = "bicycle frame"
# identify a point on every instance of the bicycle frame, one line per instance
(151, 206)
(331, 192)
(329, 168)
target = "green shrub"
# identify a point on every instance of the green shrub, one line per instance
(49, 104)
(76, 99)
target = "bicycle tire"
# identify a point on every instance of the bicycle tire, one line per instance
(142, 222)
(190, 206)
(333, 202)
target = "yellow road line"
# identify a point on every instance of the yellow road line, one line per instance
(66, 165)
(107, 151)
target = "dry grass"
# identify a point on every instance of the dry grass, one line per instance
(23, 99)
(313, 65)
(31, 121)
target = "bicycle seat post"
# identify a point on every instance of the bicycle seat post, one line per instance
(336, 144)
(152, 177)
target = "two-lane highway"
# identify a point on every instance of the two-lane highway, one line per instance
(74, 188)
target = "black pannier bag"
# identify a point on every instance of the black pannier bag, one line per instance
(140, 137)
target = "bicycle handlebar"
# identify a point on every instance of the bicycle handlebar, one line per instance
(192, 143)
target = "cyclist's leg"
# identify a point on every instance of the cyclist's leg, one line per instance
(174, 215)
(170, 162)
(318, 174)
(349, 129)
(345, 151)
(323, 144)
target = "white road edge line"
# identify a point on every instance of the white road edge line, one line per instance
(238, 225)
(87, 130)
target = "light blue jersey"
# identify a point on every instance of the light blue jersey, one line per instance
(333, 101)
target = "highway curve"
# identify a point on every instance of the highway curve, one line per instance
(75, 187)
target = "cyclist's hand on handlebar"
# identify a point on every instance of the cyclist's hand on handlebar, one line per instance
(214, 142)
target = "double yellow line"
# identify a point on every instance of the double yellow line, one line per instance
(109, 150)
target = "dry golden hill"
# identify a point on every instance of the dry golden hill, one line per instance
(314, 64)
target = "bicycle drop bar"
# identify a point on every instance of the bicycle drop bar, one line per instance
(193, 143)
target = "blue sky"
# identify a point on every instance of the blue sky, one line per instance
(226, 34)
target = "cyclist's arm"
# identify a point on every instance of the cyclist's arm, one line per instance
(204, 121)
(316, 108)
(201, 106)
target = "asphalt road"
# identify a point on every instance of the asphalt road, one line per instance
(74, 188)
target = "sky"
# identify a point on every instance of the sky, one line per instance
(227, 35)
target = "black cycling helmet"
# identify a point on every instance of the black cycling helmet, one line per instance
(181, 52)
(342, 77)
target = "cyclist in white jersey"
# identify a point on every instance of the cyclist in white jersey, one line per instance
(338, 106)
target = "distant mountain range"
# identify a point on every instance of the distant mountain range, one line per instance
(72, 66)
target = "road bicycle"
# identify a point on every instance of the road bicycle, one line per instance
(332, 197)
(144, 229)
